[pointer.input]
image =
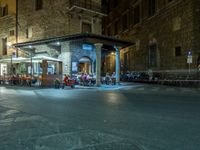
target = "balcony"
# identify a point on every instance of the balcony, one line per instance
(86, 6)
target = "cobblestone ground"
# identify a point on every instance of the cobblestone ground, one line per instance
(22, 131)
(138, 117)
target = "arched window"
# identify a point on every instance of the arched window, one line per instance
(3, 10)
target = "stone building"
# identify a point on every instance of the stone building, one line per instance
(7, 30)
(40, 19)
(68, 30)
(165, 32)
(43, 19)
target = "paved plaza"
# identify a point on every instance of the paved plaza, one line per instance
(126, 117)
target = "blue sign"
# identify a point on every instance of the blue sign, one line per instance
(189, 53)
(87, 47)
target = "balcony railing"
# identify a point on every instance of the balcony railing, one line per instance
(87, 5)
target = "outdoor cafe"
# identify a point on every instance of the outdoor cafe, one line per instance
(34, 71)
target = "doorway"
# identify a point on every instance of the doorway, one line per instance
(85, 65)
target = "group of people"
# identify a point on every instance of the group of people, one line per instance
(109, 79)
(16, 79)
(86, 79)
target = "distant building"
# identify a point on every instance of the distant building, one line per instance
(164, 32)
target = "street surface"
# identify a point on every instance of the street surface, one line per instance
(138, 117)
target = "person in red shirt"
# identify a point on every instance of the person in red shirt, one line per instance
(66, 78)
(65, 81)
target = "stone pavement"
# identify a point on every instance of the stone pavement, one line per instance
(135, 117)
(22, 131)
(123, 85)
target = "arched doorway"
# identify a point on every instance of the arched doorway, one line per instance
(85, 65)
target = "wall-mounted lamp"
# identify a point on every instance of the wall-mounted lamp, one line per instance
(9, 44)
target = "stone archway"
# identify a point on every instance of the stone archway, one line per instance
(85, 65)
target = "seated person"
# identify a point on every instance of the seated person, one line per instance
(113, 78)
(84, 79)
(107, 78)
(57, 83)
(34, 80)
(65, 80)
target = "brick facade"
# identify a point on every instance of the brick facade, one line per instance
(173, 27)
(56, 19)
(53, 20)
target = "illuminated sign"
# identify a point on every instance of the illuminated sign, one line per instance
(88, 47)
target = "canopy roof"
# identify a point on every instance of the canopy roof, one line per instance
(86, 37)
(40, 58)
(14, 60)
(34, 59)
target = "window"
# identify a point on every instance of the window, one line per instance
(86, 27)
(137, 14)
(153, 55)
(12, 32)
(125, 22)
(116, 27)
(152, 7)
(38, 4)
(127, 59)
(104, 6)
(88, 4)
(3, 11)
(177, 51)
(109, 30)
(4, 46)
(116, 2)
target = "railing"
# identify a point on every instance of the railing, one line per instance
(86, 4)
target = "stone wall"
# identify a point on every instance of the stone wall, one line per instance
(53, 20)
(7, 23)
(78, 52)
(172, 27)
(196, 28)
(175, 24)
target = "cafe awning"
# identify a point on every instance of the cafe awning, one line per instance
(14, 60)
(35, 59)
(41, 58)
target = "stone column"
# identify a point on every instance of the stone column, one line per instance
(98, 64)
(117, 65)
(93, 67)
(65, 56)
